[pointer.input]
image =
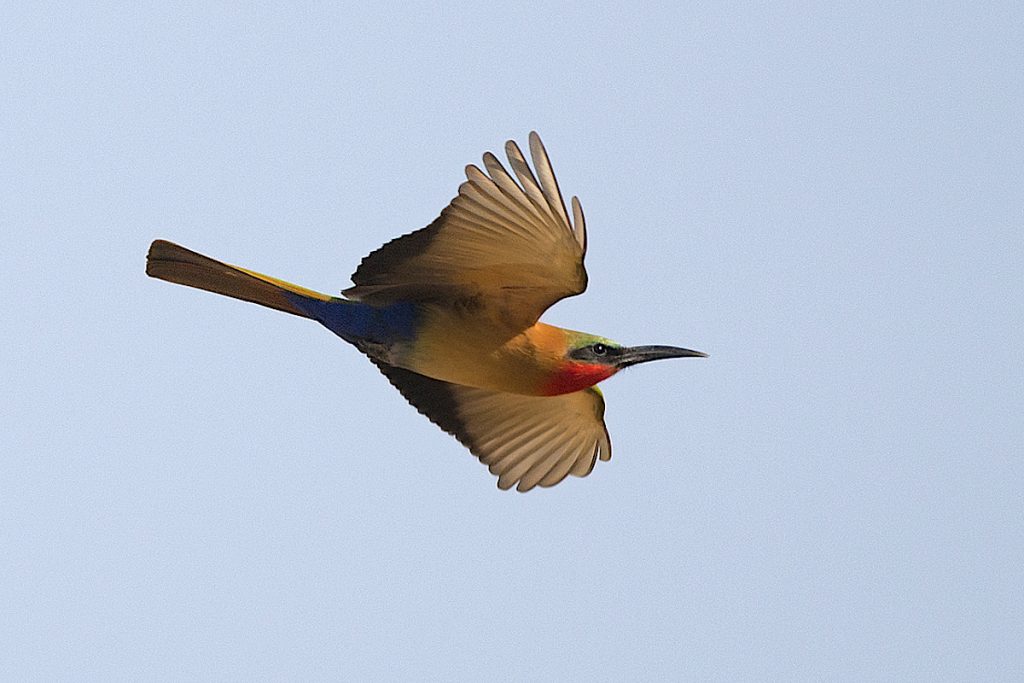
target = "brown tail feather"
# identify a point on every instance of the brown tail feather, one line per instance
(168, 261)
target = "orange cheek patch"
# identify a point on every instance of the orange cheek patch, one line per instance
(576, 376)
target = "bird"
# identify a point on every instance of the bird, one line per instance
(450, 315)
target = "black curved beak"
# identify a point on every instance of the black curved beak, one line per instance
(631, 355)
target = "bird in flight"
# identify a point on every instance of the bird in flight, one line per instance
(449, 313)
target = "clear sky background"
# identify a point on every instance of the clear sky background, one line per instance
(828, 200)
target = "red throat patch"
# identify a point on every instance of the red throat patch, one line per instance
(576, 376)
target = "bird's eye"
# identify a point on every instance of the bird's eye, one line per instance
(599, 349)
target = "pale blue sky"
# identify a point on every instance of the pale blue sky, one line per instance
(828, 201)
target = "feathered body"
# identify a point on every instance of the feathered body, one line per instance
(449, 315)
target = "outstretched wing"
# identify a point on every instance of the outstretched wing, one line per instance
(506, 246)
(525, 441)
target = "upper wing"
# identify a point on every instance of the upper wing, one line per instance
(529, 440)
(508, 246)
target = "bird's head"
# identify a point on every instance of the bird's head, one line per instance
(590, 359)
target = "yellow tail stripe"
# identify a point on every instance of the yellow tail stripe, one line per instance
(295, 289)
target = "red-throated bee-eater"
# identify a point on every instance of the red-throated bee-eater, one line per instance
(449, 314)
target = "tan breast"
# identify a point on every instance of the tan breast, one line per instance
(466, 350)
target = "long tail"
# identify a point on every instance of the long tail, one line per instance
(168, 261)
